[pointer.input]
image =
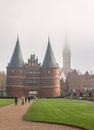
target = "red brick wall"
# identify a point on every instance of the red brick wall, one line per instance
(49, 91)
(48, 86)
(49, 82)
(15, 90)
(15, 80)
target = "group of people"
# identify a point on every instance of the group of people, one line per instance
(24, 99)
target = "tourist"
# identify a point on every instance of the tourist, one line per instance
(26, 99)
(29, 99)
(16, 100)
(23, 100)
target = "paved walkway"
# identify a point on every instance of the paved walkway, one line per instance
(11, 119)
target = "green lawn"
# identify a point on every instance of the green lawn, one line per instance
(62, 111)
(5, 102)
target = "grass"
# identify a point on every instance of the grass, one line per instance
(5, 102)
(62, 111)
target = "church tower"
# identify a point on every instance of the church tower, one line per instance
(66, 59)
(49, 78)
(15, 72)
(66, 56)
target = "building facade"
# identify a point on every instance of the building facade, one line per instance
(32, 76)
(77, 83)
(72, 81)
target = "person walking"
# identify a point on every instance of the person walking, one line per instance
(23, 100)
(29, 99)
(16, 100)
(26, 99)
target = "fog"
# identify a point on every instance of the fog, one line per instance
(34, 20)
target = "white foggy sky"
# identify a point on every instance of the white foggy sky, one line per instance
(34, 20)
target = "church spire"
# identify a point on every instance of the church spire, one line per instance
(49, 60)
(17, 59)
(66, 59)
(66, 55)
(66, 48)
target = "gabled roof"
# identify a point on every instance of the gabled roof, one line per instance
(17, 59)
(49, 60)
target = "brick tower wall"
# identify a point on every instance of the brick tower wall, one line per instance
(15, 81)
(49, 82)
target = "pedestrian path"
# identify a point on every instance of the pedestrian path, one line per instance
(11, 119)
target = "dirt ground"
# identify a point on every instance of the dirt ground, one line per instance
(11, 119)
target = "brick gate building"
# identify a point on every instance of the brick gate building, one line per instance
(25, 77)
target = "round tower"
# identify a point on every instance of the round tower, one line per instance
(15, 73)
(49, 75)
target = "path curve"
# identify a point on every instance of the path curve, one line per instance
(11, 119)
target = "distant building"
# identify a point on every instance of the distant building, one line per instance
(2, 80)
(87, 81)
(2, 83)
(32, 76)
(76, 83)
(72, 80)
(66, 61)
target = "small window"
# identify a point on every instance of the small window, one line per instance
(29, 64)
(12, 71)
(38, 81)
(28, 81)
(33, 81)
(32, 64)
(49, 71)
(21, 71)
(35, 64)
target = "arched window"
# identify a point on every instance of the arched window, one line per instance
(12, 71)
(49, 71)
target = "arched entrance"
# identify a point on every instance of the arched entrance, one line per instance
(33, 94)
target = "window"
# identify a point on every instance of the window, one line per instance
(12, 70)
(38, 72)
(35, 64)
(32, 64)
(49, 71)
(29, 64)
(21, 71)
(28, 81)
(36, 81)
(31, 81)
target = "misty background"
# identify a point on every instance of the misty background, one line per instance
(34, 20)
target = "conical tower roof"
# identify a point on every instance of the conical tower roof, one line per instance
(49, 60)
(17, 59)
